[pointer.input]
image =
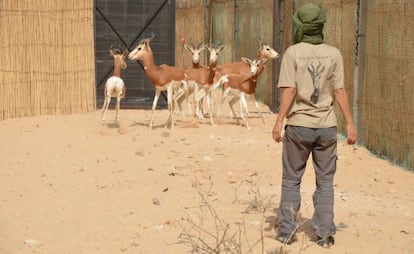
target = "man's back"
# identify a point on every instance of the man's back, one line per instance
(309, 68)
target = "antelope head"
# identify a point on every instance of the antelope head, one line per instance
(119, 56)
(215, 51)
(141, 49)
(254, 64)
(195, 51)
(266, 51)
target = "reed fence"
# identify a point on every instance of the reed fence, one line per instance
(47, 64)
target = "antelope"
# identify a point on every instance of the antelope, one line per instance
(163, 77)
(238, 86)
(201, 79)
(114, 86)
(181, 94)
(206, 83)
(240, 67)
(265, 52)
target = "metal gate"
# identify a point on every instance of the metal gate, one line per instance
(124, 23)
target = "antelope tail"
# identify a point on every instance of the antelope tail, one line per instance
(221, 81)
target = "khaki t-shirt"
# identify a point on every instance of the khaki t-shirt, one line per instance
(305, 67)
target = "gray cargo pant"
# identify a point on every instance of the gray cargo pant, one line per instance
(298, 144)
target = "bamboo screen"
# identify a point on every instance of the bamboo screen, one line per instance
(47, 63)
(386, 92)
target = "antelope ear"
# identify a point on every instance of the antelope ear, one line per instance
(246, 60)
(147, 44)
(259, 40)
(221, 48)
(263, 61)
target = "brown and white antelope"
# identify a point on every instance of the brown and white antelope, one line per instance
(202, 79)
(163, 77)
(192, 74)
(240, 67)
(206, 82)
(238, 86)
(114, 86)
(265, 51)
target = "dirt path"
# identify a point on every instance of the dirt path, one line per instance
(70, 185)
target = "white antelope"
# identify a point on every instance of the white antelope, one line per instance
(238, 86)
(163, 77)
(114, 86)
(265, 52)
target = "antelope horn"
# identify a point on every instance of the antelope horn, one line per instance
(218, 44)
(111, 49)
(200, 45)
(259, 40)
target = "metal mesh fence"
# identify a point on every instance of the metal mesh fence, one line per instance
(385, 101)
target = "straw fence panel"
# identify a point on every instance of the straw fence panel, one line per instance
(48, 58)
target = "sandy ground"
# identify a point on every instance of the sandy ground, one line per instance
(69, 184)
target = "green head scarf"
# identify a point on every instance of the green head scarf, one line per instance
(308, 21)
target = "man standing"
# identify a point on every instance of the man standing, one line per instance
(311, 79)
